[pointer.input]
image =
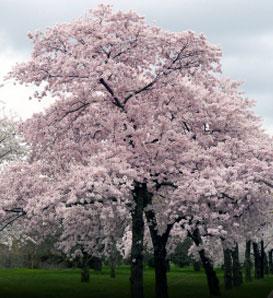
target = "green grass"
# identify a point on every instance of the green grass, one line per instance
(183, 283)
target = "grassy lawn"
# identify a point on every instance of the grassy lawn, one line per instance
(183, 283)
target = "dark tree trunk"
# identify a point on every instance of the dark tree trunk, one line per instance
(136, 277)
(270, 261)
(228, 272)
(262, 259)
(212, 279)
(95, 263)
(161, 283)
(248, 263)
(266, 265)
(113, 259)
(85, 276)
(159, 246)
(257, 260)
(237, 273)
(213, 282)
(196, 266)
(113, 271)
(112, 268)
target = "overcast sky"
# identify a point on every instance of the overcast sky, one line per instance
(243, 29)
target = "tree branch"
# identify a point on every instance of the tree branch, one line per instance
(117, 102)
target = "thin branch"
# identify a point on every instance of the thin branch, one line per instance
(267, 183)
(146, 87)
(23, 213)
(165, 183)
(6, 153)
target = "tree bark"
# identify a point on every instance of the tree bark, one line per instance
(257, 260)
(161, 283)
(228, 272)
(112, 267)
(270, 262)
(237, 273)
(85, 276)
(113, 259)
(160, 253)
(266, 265)
(136, 277)
(212, 279)
(248, 263)
(113, 271)
(213, 282)
(262, 259)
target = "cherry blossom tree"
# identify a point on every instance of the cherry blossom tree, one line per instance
(74, 208)
(12, 148)
(151, 103)
(93, 208)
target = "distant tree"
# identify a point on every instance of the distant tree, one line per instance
(12, 148)
(180, 256)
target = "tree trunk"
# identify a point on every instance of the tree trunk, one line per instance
(266, 265)
(213, 282)
(136, 277)
(112, 269)
(95, 263)
(248, 263)
(237, 273)
(257, 260)
(159, 246)
(270, 262)
(212, 279)
(196, 266)
(262, 259)
(161, 288)
(85, 276)
(228, 273)
(113, 259)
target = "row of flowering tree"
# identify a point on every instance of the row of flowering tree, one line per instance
(144, 131)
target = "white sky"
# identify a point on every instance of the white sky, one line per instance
(243, 29)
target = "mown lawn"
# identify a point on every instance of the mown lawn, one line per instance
(183, 283)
